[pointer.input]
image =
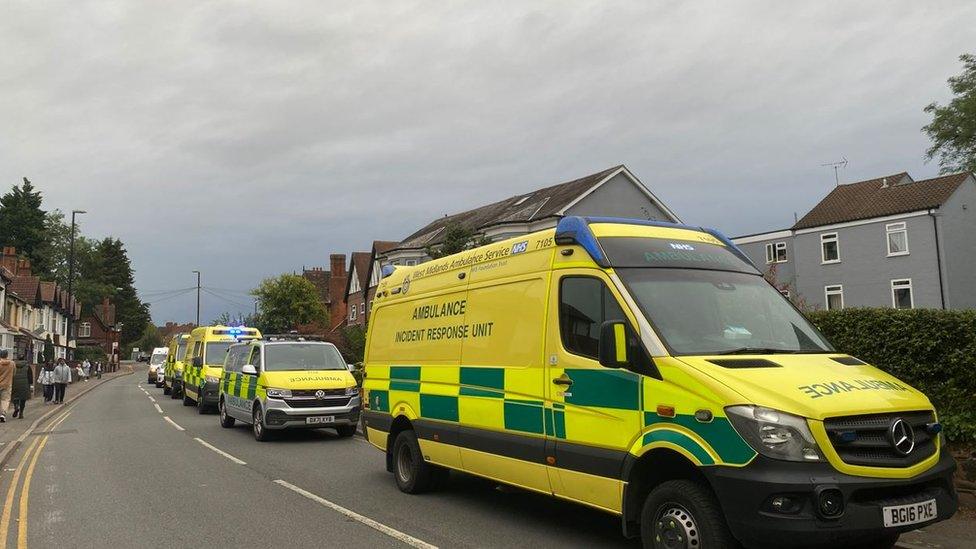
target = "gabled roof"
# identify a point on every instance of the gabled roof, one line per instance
(27, 287)
(891, 195)
(320, 279)
(380, 246)
(543, 203)
(49, 292)
(360, 262)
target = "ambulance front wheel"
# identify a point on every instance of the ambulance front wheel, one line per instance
(413, 474)
(226, 420)
(684, 514)
(346, 431)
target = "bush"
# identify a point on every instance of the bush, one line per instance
(931, 349)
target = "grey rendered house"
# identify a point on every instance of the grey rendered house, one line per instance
(614, 192)
(885, 242)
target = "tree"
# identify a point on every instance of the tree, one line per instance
(286, 301)
(457, 238)
(111, 271)
(22, 224)
(953, 126)
(150, 338)
(355, 347)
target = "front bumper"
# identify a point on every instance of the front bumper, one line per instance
(210, 393)
(279, 415)
(746, 493)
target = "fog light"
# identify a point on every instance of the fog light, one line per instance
(787, 505)
(831, 503)
(781, 504)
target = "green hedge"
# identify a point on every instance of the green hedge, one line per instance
(931, 349)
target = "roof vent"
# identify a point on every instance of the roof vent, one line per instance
(884, 182)
(522, 200)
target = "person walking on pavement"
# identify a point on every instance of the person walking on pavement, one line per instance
(46, 378)
(6, 380)
(62, 377)
(22, 387)
(86, 367)
(98, 369)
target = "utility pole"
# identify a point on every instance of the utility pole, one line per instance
(71, 279)
(198, 297)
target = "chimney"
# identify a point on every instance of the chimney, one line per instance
(105, 307)
(337, 264)
(23, 267)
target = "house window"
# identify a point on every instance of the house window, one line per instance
(410, 262)
(352, 313)
(834, 297)
(786, 293)
(829, 248)
(362, 308)
(84, 329)
(897, 236)
(901, 294)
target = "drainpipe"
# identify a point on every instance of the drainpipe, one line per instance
(938, 256)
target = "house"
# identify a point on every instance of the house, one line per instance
(375, 272)
(331, 287)
(170, 329)
(885, 242)
(98, 328)
(7, 330)
(356, 287)
(614, 192)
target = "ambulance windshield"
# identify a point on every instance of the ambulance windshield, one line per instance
(279, 357)
(709, 312)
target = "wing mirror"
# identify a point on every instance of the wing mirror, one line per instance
(197, 361)
(616, 349)
(249, 369)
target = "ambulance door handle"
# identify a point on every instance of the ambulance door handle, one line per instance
(563, 380)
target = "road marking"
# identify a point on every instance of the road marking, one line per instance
(219, 451)
(171, 422)
(9, 502)
(393, 533)
(152, 399)
(158, 409)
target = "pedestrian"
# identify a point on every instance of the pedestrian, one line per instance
(86, 367)
(80, 372)
(6, 380)
(46, 378)
(22, 387)
(98, 369)
(62, 377)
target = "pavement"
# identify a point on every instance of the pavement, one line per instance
(126, 466)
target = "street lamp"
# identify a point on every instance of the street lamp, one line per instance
(71, 279)
(198, 297)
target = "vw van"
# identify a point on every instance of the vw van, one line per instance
(173, 369)
(206, 350)
(649, 371)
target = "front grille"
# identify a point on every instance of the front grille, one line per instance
(327, 402)
(311, 392)
(863, 440)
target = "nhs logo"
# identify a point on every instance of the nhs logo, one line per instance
(520, 247)
(683, 247)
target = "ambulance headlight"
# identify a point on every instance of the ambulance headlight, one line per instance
(352, 391)
(279, 393)
(774, 434)
(212, 379)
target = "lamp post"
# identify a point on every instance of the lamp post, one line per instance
(198, 297)
(71, 279)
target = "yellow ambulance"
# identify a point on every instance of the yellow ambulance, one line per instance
(173, 370)
(204, 363)
(649, 371)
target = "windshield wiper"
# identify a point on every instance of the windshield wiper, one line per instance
(758, 351)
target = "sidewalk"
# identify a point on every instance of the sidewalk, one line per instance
(15, 428)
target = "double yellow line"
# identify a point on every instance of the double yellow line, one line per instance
(31, 455)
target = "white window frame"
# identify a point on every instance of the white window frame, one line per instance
(895, 228)
(785, 293)
(352, 313)
(770, 253)
(833, 289)
(901, 284)
(362, 308)
(84, 330)
(825, 238)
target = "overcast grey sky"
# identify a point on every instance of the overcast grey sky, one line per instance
(250, 139)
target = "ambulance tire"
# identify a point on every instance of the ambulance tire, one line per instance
(165, 389)
(261, 434)
(187, 401)
(685, 509)
(346, 431)
(414, 475)
(226, 420)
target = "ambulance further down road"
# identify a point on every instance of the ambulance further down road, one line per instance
(647, 370)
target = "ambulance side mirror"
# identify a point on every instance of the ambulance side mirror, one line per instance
(249, 369)
(615, 348)
(197, 361)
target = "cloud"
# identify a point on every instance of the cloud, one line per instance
(246, 140)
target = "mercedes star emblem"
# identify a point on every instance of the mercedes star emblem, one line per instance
(901, 436)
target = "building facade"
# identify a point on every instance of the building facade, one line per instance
(885, 242)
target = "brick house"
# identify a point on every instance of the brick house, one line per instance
(331, 287)
(98, 328)
(170, 329)
(354, 292)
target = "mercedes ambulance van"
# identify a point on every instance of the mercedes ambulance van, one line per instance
(173, 370)
(204, 363)
(647, 370)
(288, 381)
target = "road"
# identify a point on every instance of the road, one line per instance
(114, 472)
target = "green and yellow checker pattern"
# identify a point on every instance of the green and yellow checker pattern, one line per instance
(241, 385)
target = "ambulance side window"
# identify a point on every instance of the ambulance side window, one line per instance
(255, 359)
(585, 303)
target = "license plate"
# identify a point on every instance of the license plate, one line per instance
(913, 513)
(319, 419)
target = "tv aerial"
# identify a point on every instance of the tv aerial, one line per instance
(836, 166)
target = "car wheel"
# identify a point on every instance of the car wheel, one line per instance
(166, 390)
(346, 431)
(225, 420)
(413, 475)
(684, 513)
(261, 434)
(187, 401)
(201, 407)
